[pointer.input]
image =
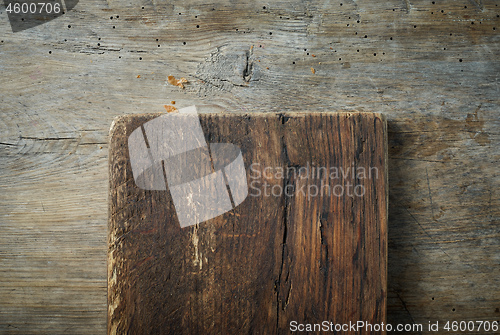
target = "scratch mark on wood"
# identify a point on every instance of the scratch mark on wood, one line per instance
(248, 69)
(47, 138)
(474, 126)
(430, 195)
(92, 143)
(407, 6)
(406, 309)
(417, 159)
(198, 258)
(147, 259)
(240, 235)
(418, 223)
(425, 232)
(478, 4)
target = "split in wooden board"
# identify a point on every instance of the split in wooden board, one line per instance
(308, 243)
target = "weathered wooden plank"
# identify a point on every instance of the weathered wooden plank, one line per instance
(52, 200)
(283, 255)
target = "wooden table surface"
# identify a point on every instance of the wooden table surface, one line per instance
(432, 67)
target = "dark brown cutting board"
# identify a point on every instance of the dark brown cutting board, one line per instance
(296, 251)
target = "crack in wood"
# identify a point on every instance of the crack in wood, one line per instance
(286, 183)
(286, 200)
(47, 138)
(248, 69)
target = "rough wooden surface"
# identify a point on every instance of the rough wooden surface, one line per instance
(309, 256)
(65, 81)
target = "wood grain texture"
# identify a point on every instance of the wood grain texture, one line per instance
(315, 254)
(443, 121)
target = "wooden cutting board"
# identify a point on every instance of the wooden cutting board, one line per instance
(307, 243)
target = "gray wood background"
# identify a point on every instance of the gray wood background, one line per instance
(433, 67)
